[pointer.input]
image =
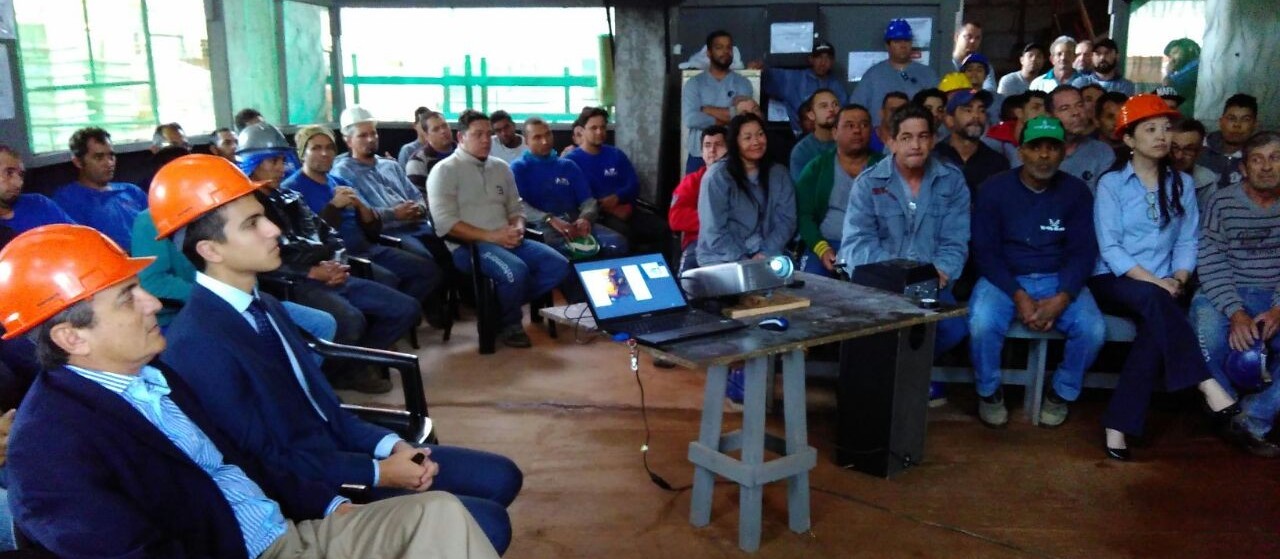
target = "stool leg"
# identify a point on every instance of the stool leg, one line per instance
(751, 498)
(1035, 390)
(708, 436)
(797, 435)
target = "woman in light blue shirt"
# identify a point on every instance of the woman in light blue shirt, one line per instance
(1146, 220)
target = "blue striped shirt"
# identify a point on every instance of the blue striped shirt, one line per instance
(260, 519)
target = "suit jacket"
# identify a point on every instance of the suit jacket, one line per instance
(91, 477)
(255, 398)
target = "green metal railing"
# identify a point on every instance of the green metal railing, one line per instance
(99, 75)
(470, 81)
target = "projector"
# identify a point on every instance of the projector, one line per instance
(917, 280)
(737, 278)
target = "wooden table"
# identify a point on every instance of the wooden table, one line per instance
(839, 311)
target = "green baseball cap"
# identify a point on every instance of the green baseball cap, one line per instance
(1043, 127)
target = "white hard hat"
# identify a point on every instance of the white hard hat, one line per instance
(352, 116)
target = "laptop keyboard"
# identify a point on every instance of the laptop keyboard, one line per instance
(670, 322)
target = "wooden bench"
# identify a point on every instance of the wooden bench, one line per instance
(1033, 376)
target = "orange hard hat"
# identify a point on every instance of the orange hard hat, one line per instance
(191, 186)
(1141, 107)
(47, 269)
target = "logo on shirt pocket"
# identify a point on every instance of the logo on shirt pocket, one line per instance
(1054, 225)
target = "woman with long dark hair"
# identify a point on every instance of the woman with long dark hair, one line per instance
(1147, 223)
(747, 208)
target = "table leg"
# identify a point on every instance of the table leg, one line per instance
(751, 498)
(709, 437)
(797, 437)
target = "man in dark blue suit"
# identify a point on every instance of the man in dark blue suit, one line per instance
(113, 457)
(243, 357)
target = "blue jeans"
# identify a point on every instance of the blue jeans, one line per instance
(812, 263)
(992, 311)
(369, 314)
(7, 540)
(950, 331)
(313, 321)
(486, 483)
(612, 244)
(411, 237)
(1212, 328)
(522, 274)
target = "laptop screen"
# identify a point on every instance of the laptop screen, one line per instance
(629, 286)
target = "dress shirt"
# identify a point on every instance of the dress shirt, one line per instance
(1127, 237)
(260, 519)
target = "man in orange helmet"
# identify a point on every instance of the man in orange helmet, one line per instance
(239, 352)
(138, 468)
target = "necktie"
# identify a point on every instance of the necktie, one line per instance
(268, 336)
(148, 388)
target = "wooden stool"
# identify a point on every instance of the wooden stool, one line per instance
(709, 453)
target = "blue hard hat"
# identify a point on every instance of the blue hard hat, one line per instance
(1248, 369)
(898, 30)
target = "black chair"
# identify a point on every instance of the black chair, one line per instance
(413, 423)
(486, 297)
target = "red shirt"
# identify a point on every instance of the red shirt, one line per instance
(683, 215)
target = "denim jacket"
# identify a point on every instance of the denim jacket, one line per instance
(880, 223)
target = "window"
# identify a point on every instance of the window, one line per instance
(1158, 28)
(123, 65)
(526, 61)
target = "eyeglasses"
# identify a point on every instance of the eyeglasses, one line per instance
(1153, 213)
(907, 77)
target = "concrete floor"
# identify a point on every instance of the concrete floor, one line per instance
(569, 415)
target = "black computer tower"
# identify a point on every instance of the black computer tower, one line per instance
(883, 400)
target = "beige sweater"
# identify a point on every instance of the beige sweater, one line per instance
(481, 193)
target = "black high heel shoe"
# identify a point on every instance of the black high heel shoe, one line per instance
(1121, 454)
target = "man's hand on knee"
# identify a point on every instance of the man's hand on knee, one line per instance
(400, 471)
(1270, 321)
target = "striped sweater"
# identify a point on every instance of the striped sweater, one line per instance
(1240, 247)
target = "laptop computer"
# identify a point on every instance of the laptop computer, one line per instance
(639, 296)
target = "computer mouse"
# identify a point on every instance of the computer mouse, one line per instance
(774, 324)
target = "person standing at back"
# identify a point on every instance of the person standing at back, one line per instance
(706, 97)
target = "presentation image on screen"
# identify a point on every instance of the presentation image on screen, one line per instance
(631, 285)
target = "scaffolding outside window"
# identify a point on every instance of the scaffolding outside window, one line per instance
(123, 65)
(526, 61)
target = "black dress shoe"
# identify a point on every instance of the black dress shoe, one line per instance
(1121, 454)
(1257, 446)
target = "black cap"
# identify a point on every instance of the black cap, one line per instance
(1033, 46)
(822, 47)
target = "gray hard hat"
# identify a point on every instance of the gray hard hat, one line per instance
(261, 136)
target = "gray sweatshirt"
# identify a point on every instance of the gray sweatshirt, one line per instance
(734, 225)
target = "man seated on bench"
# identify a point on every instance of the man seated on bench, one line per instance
(1239, 299)
(912, 205)
(1034, 246)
